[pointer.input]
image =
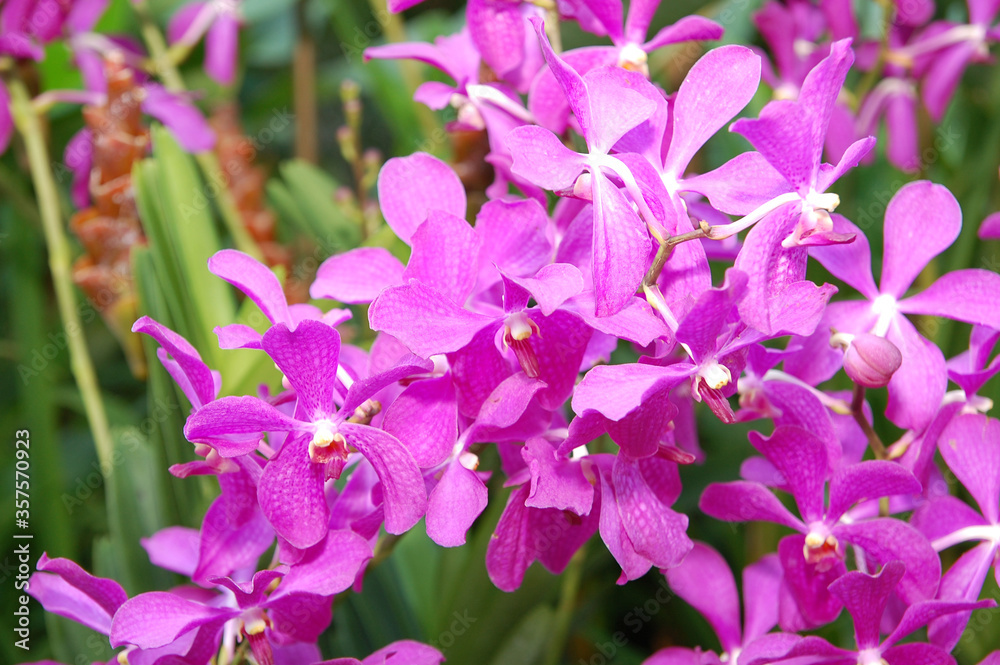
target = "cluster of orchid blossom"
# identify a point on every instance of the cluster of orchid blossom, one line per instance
(501, 332)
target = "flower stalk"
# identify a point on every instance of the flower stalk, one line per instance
(27, 123)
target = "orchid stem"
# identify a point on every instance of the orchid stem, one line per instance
(208, 162)
(30, 128)
(564, 613)
(857, 410)
(667, 248)
(395, 33)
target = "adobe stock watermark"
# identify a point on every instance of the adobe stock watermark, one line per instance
(634, 620)
(219, 181)
(42, 355)
(85, 485)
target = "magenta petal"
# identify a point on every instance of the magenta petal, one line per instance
(963, 582)
(971, 295)
(308, 357)
(790, 134)
(918, 386)
(915, 653)
(636, 322)
(763, 579)
(853, 484)
(158, 618)
(410, 187)
(620, 100)
(542, 159)
(887, 539)
(620, 246)
(357, 276)
(850, 262)
(802, 459)
(809, 582)
(445, 255)
(657, 532)
(183, 19)
(234, 532)
(556, 482)
(405, 652)
(424, 417)
(614, 535)
(988, 230)
(941, 516)
(742, 501)
(497, 30)
(749, 167)
(921, 221)
(238, 336)
(255, 280)
(640, 432)
(195, 378)
(552, 285)
(943, 75)
(404, 495)
(329, 567)
(569, 80)
(175, 548)
(719, 85)
(235, 425)
(689, 28)
(364, 389)
(454, 504)
(615, 390)
(424, 320)
(177, 114)
(291, 494)
(559, 347)
(970, 446)
(221, 45)
(508, 555)
(66, 589)
(920, 614)
(514, 238)
(865, 597)
(705, 581)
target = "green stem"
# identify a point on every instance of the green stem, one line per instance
(567, 603)
(164, 66)
(59, 264)
(394, 34)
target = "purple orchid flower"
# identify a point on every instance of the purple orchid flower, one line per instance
(715, 343)
(220, 21)
(608, 103)
(921, 221)
(970, 446)
(789, 134)
(403, 652)
(27, 25)
(262, 286)
(866, 597)
(491, 106)
(551, 107)
(940, 53)
(291, 488)
(813, 560)
(297, 612)
(705, 581)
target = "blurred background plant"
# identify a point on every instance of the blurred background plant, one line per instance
(301, 132)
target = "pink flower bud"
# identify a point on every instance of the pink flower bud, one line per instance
(871, 361)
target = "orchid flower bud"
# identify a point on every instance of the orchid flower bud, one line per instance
(871, 361)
